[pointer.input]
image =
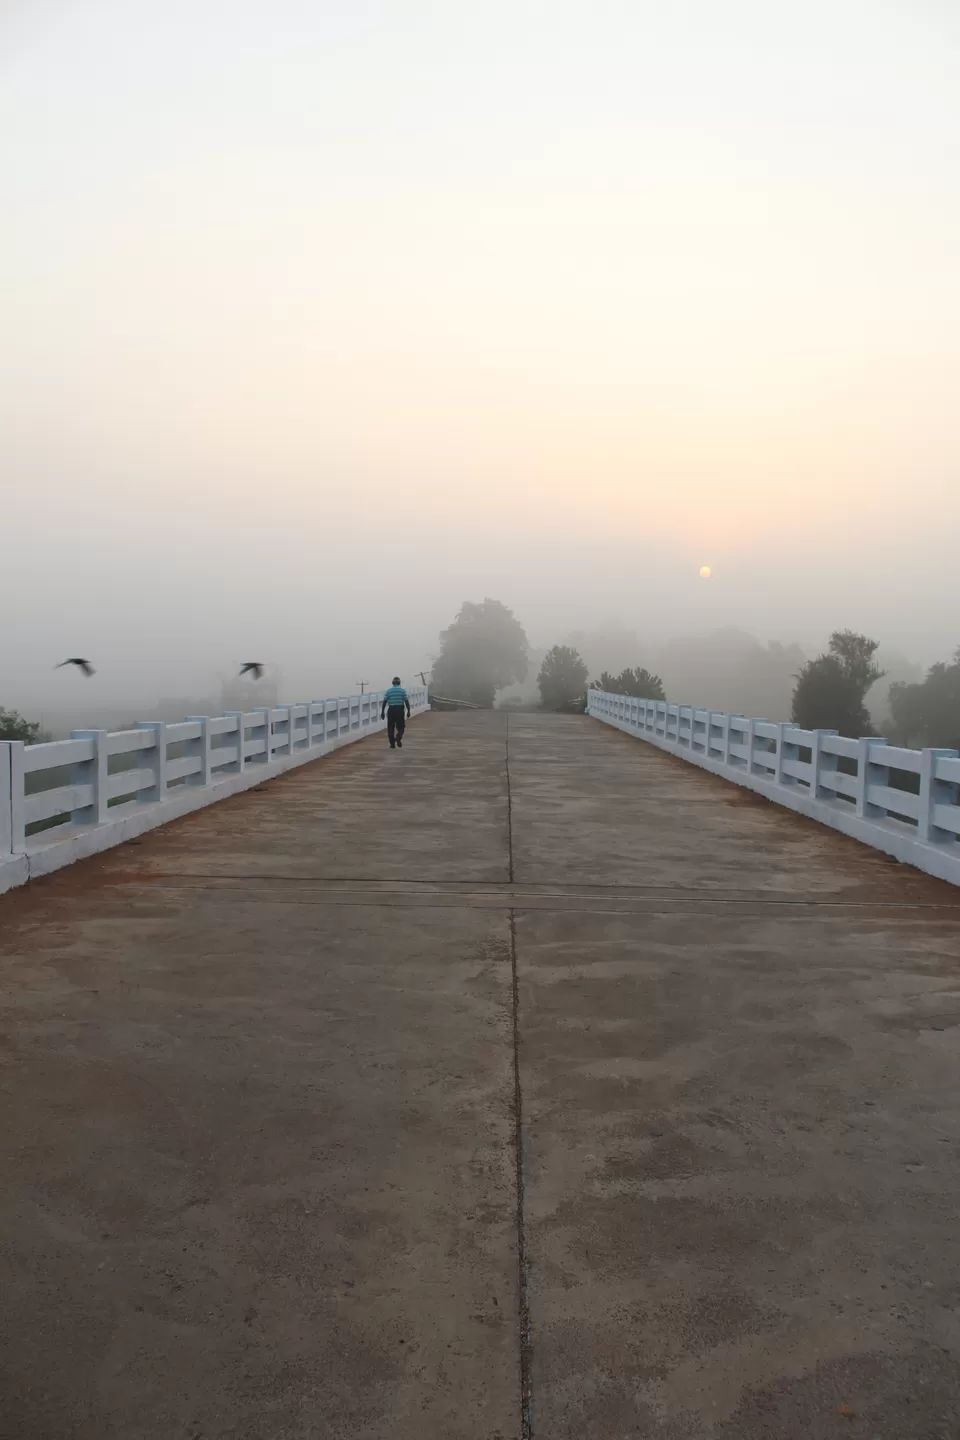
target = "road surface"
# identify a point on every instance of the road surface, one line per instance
(523, 1082)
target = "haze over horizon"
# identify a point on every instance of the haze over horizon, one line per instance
(319, 319)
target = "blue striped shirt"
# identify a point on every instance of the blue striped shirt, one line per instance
(395, 695)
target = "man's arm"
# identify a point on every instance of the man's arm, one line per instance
(383, 708)
(406, 698)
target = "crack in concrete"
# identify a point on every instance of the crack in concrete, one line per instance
(526, 1403)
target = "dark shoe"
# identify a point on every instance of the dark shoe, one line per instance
(399, 744)
(392, 746)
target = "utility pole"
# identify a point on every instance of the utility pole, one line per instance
(362, 684)
(423, 678)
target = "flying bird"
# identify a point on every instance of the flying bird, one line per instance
(253, 668)
(81, 664)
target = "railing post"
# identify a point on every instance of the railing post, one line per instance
(865, 775)
(819, 763)
(933, 792)
(309, 708)
(241, 718)
(158, 791)
(266, 724)
(92, 772)
(708, 737)
(786, 750)
(18, 820)
(291, 727)
(202, 749)
(6, 807)
(750, 738)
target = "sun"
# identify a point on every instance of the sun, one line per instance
(705, 572)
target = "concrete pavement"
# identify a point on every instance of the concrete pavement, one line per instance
(261, 1074)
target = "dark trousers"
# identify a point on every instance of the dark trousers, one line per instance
(396, 723)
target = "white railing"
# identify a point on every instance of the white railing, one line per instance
(101, 787)
(802, 770)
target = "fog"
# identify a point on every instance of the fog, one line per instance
(317, 320)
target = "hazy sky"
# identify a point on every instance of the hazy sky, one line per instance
(317, 319)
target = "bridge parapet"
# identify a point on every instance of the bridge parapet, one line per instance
(102, 787)
(901, 801)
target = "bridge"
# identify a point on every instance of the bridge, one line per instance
(529, 1081)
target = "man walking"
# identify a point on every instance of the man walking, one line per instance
(394, 701)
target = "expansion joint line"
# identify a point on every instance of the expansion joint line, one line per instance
(526, 1425)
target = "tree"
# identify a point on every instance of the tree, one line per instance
(830, 692)
(928, 713)
(562, 678)
(899, 670)
(639, 682)
(484, 650)
(13, 726)
(855, 653)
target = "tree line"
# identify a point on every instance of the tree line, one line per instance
(485, 650)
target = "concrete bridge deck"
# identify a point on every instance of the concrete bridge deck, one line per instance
(262, 1072)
